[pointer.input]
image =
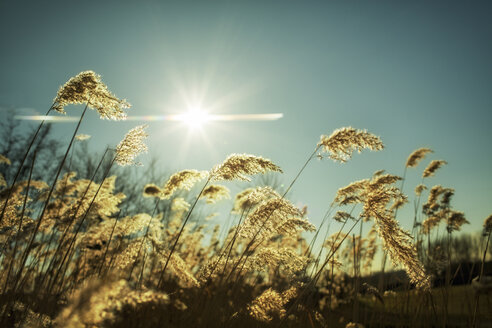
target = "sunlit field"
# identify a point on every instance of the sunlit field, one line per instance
(96, 240)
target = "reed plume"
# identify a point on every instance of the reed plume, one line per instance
(415, 157)
(185, 179)
(87, 87)
(250, 197)
(214, 193)
(239, 166)
(455, 220)
(343, 142)
(270, 304)
(419, 189)
(131, 146)
(272, 217)
(431, 169)
(377, 195)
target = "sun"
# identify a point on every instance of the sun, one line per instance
(195, 117)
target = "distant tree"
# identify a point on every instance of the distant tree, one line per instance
(15, 137)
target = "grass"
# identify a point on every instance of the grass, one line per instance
(405, 306)
(70, 259)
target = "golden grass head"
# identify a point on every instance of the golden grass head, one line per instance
(342, 216)
(184, 179)
(438, 201)
(455, 220)
(179, 204)
(415, 157)
(87, 87)
(267, 306)
(274, 216)
(239, 166)
(419, 189)
(377, 194)
(277, 258)
(430, 223)
(131, 146)
(214, 193)
(250, 197)
(431, 169)
(343, 142)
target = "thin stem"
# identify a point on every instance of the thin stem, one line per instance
(313, 281)
(107, 246)
(270, 214)
(74, 238)
(9, 192)
(231, 247)
(72, 220)
(477, 297)
(325, 217)
(301, 170)
(144, 238)
(180, 233)
(40, 219)
(20, 224)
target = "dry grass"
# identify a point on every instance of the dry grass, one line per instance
(69, 260)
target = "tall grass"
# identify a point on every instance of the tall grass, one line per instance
(81, 263)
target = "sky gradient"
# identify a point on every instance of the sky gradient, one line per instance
(416, 73)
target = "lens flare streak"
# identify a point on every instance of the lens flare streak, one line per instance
(156, 118)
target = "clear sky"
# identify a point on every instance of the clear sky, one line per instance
(416, 73)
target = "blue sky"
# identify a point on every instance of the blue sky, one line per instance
(416, 73)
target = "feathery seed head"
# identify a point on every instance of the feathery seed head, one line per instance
(87, 87)
(342, 216)
(179, 204)
(238, 166)
(415, 157)
(342, 142)
(250, 197)
(433, 167)
(269, 305)
(376, 195)
(430, 223)
(419, 189)
(185, 179)
(455, 220)
(131, 146)
(214, 193)
(275, 257)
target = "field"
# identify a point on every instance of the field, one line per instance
(75, 255)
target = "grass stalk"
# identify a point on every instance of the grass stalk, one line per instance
(17, 174)
(40, 219)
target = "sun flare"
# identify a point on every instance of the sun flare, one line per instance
(195, 117)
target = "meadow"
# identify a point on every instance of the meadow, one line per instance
(73, 255)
